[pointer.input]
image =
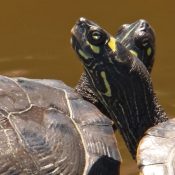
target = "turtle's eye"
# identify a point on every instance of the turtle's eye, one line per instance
(96, 37)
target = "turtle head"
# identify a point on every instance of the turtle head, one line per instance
(89, 40)
(105, 60)
(139, 38)
(119, 79)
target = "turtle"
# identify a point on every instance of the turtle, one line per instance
(139, 38)
(48, 128)
(124, 86)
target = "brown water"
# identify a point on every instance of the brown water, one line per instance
(34, 41)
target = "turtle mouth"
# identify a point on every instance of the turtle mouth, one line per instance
(77, 43)
(79, 29)
(78, 34)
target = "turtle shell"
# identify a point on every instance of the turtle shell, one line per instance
(156, 151)
(46, 128)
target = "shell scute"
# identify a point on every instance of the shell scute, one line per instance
(41, 133)
(156, 151)
(53, 131)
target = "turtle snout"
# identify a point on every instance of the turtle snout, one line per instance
(144, 26)
(81, 22)
(79, 28)
(82, 19)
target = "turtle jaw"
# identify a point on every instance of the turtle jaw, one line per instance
(79, 31)
(144, 26)
(144, 42)
(79, 40)
(77, 35)
(145, 30)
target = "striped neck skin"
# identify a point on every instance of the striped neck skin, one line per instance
(132, 104)
(120, 80)
(136, 114)
(85, 89)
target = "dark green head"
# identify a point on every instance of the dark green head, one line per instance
(139, 38)
(119, 79)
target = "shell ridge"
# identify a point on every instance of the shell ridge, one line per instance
(21, 138)
(19, 87)
(78, 129)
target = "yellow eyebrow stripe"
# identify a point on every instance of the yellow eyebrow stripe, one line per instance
(106, 83)
(112, 44)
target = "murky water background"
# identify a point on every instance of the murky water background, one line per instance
(34, 41)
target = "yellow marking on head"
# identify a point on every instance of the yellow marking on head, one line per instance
(83, 54)
(106, 83)
(133, 53)
(95, 49)
(112, 44)
(149, 51)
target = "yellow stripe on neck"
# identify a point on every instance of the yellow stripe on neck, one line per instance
(106, 83)
(112, 44)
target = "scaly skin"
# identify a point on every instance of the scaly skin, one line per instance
(120, 81)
